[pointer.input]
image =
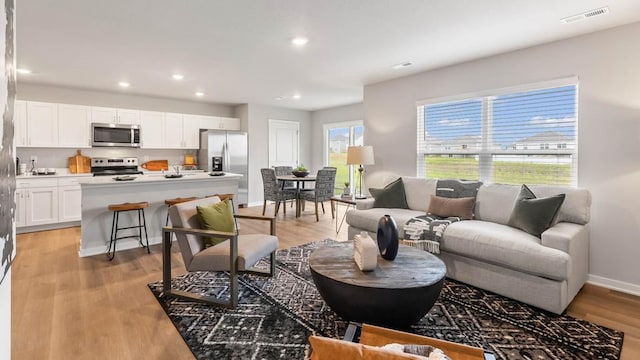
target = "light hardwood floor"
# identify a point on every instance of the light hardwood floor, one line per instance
(66, 307)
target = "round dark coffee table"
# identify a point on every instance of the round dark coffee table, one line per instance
(396, 294)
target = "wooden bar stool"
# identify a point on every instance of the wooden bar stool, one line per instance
(176, 201)
(142, 224)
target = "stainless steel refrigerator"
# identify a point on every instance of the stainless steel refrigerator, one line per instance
(226, 151)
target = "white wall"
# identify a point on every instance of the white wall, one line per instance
(5, 317)
(608, 66)
(351, 112)
(256, 117)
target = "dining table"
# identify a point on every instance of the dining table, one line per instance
(299, 180)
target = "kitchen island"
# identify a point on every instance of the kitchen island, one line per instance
(99, 192)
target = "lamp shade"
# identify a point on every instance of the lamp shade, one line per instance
(360, 155)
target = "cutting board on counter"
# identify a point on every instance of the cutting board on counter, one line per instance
(156, 165)
(79, 164)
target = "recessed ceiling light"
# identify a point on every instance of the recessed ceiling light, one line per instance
(402, 65)
(177, 76)
(123, 84)
(199, 94)
(296, 96)
(23, 71)
(299, 41)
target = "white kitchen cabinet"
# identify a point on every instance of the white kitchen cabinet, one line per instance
(21, 207)
(106, 115)
(20, 134)
(191, 131)
(42, 124)
(74, 126)
(229, 123)
(36, 201)
(173, 131)
(152, 129)
(209, 122)
(69, 200)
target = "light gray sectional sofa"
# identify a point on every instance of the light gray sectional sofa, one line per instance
(545, 272)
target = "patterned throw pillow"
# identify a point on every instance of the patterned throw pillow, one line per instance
(534, 215)
(391, 196)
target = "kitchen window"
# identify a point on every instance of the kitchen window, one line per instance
(526, 135)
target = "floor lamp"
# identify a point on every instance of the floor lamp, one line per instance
(360, 155)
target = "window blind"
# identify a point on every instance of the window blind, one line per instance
(521, 137)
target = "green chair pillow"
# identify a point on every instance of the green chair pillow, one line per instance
(391, 196)
(217, 217)
(534, 215)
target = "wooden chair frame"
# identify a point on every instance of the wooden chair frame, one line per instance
(233, 262)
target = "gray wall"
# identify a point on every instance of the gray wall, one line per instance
(256, 118)
(607, 65)
(353, 112)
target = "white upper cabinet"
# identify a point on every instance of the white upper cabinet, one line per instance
(42, 124)
(20, 135)
(229, 123)
(107, 115)
(152, 125)
(74, 126)
(173, 131)
(191, 131)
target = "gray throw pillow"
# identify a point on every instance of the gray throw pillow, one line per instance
(391, 196)
(534, 215)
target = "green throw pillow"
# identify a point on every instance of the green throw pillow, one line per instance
(217, 217)
(534, 215)
(391, 196)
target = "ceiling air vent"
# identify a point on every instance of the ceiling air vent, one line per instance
(585, 15)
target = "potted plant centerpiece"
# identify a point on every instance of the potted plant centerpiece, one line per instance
(300, 171)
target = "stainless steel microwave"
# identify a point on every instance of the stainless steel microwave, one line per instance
(122, 135)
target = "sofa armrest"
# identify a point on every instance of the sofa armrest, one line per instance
(364, 204)
(566, 237)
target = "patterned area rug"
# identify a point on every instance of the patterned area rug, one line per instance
(276, 315)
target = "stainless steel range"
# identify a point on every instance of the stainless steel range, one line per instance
(114, 166)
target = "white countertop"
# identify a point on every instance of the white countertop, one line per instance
(60, 172)
(154, 178)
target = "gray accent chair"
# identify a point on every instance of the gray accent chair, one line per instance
(237, 253)
(273, 191)
(323, 190)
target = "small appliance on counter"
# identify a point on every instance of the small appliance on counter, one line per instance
(114, 166)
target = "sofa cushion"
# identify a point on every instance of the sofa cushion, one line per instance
(576, 207)
(391, 196)
(534, 214)
(450, 207)
(368, 219)
(418, 191)
(505, 246)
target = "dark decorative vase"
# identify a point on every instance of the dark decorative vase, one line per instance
(387, 237)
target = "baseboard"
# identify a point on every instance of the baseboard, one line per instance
(617, 285)
(257, 203)
(124, 244)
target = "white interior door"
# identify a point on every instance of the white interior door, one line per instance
(284, 139)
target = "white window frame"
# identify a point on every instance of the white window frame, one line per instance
(485, 154)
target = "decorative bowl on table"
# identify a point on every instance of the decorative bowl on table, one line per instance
(297, 173)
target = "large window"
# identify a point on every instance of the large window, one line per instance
(338, 137)
(514, 137)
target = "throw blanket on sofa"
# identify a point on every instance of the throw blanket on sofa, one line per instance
(425, 232)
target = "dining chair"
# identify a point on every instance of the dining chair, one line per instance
(285, 170)
(323, 190)
(235, 254)
(274, 192)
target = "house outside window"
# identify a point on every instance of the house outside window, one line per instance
(514, 136)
